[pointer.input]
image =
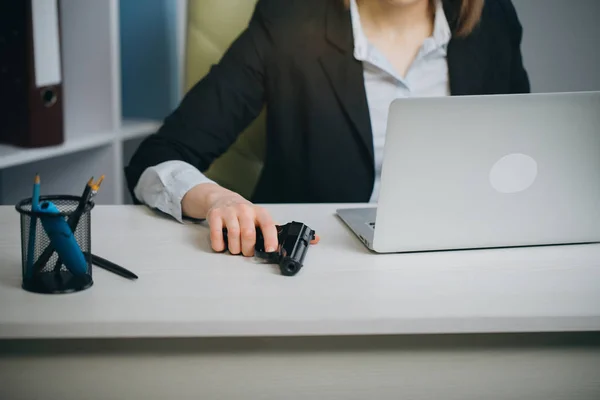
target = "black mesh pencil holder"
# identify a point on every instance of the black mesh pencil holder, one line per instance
(56, 252)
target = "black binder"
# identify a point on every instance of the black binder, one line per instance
(31, 95)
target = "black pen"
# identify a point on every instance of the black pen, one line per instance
(112, 267)
(83, 201)
(73, 220)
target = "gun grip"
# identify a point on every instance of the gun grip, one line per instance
(260, 241)
(294, 240)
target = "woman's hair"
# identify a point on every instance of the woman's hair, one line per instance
(469, 13)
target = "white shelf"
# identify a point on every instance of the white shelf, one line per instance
(133, 129)
(67, 174)
(11, 156)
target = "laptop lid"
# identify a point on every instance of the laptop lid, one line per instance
(490, 171)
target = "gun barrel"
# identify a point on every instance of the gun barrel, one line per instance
(295, 243)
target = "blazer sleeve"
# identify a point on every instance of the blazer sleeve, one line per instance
(519, 82)
(217, 108)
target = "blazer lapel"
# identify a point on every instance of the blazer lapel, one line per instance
(467, 57)
(345, 74)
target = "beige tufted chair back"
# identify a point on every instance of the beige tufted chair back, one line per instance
(212, 25)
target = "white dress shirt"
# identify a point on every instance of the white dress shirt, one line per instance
(163, 186)
(427, 76)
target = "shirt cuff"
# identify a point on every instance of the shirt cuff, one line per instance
(163, 186)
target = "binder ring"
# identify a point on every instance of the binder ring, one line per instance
(49, 97)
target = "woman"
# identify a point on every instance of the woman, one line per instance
(327, 71)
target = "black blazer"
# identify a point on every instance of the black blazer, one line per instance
(296, 56)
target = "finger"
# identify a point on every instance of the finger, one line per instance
(233, 231)
(316, 240)
(246, 217)
(215, 221)
(268, 229)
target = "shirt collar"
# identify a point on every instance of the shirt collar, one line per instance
(440, 38)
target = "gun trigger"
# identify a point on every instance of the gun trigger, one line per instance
(260, 254)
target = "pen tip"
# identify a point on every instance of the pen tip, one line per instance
(37, 178)
(91, 181)
(96, 186)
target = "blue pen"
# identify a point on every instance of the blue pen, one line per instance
(35, 205)
(62, 239)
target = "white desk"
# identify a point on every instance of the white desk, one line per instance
(192, 306)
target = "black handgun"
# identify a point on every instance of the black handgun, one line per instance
(294, 239)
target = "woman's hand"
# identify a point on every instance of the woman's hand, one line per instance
(226, 209)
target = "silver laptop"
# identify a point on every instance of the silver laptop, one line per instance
(475, 172)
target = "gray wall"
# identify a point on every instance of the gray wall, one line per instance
(561, 43)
